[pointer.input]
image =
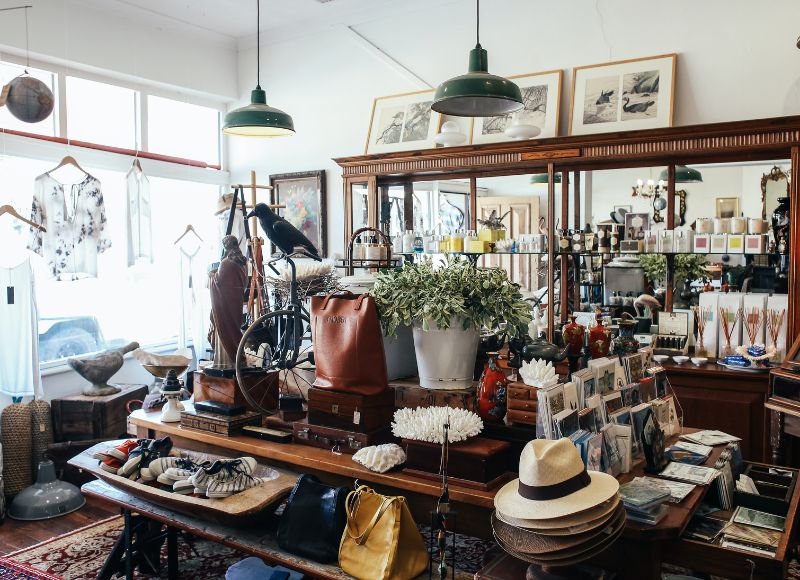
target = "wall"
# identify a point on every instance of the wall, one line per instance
(172, 55)
(737, 60)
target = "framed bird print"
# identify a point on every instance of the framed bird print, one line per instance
(402, 123)
(625, 95)
(541, 95)
(303, 194)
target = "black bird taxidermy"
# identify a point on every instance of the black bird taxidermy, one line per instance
(284, 235)
(636, 107)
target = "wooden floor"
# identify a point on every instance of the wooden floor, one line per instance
(16, 535)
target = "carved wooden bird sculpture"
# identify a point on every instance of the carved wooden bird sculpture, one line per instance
(100, 368)
(283, 234)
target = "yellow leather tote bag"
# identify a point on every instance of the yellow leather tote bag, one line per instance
(381, 540)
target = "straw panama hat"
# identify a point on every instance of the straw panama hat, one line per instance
(553, 483)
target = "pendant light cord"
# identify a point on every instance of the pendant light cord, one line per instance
(478, 25)
(258, 44)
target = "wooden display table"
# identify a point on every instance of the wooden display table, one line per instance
(256, 541)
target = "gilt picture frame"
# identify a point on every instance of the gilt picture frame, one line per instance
(303, 193)
(624, 95)
(402, 122)
(541, 94)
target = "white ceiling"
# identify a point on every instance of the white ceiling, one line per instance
(236, 18)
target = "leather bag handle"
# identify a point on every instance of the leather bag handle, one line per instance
(352, 506)
(333, 294)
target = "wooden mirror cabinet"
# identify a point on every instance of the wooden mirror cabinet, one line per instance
(383, 191)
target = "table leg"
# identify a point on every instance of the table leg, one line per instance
(128, 551)
(111, 565)
(172, 553)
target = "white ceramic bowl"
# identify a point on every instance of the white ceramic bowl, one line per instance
(660, 358)
(699, 360)
(680, 359)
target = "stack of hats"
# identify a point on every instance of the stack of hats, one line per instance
(557, 514)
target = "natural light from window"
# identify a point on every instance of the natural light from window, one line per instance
(101, 113)
(183, 130)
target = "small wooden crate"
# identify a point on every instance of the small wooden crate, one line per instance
(408, 394)
(219, 424)
(478, 462)
(522, 404)
(81, 418)
(361, 413)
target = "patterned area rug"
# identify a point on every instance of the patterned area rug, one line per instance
(80, 555)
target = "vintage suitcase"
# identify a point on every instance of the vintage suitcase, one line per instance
(80, 418)
(339, 440)
(408, 394)
(219, 424)
(226, 390)
(478, 462)
(361, 413)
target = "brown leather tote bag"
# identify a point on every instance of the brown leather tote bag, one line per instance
(348, 344)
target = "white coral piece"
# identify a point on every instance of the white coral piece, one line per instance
(538, 373)
(380, 458)
(427, 424)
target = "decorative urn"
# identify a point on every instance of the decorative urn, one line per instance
(492, 391)
(599, 339)
(625, 343)
(573, 336)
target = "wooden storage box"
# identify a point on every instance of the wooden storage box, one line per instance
(226, 390)
(522, 404)
(775, 491)
(80, 418)
(343, 440)
(360, 413)
(408, 394)
(219, 424)
(478, 462)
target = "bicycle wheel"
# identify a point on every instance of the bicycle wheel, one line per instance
(275, 356)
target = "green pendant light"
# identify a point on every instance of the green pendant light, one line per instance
(258, 119)
(683, 174)
(477, 93)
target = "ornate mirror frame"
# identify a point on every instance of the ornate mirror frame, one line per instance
(775, 174)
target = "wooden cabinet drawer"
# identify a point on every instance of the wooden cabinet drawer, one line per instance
(522, 404)
(523, 417)
(518, 393)
(725, 562)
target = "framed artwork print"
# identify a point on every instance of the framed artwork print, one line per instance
(636, 224)
(625, 95)
(402, 123)
(303, 194)
(727, 207)
(541, 95)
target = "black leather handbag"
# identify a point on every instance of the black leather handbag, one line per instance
(314, 519)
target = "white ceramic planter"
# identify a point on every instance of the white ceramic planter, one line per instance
(445, 358)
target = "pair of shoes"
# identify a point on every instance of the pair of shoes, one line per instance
(218, 489)
(139, 459)
(222, 470)
(110, 465)
(172, 469)
(119, 453)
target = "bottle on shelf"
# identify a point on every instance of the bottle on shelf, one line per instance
(444, 243)
(408, 242)
(457, 241)
(358, 249)
(397, 243)
(419, 244)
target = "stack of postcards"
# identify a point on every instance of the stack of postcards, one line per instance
(644, 501)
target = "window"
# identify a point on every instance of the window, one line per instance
(122, 303)
(101, 113)
(8, 121)
(183, 130)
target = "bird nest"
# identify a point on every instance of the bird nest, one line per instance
(306, 287)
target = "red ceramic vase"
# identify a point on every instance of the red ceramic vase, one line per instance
(492, 391)
(599, 339)
(573, 335)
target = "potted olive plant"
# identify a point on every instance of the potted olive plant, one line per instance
(446, 307)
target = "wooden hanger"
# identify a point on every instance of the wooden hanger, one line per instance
(68, 160)
(137, 165)
(13, 213)
(189, 229)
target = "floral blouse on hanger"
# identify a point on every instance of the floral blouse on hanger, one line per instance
(75, 218)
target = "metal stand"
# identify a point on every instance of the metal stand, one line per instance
(448, 527)
(139, 546)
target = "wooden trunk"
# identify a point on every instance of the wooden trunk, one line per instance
(80, 418)
(408, 394)
(360, 413)
(220, 424)
(342, 440)
(478, 460)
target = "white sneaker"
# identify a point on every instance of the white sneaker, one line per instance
(183, 488)
(222, 470)
(218, 489)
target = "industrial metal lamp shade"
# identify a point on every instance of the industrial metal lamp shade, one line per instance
(683, 174)
(258, 119)
(47, 498)
(477, 93)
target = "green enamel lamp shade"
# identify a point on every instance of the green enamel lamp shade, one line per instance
(49, 497)
(258, 119)
(477, 93)
(539, 178)
(683, 174)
